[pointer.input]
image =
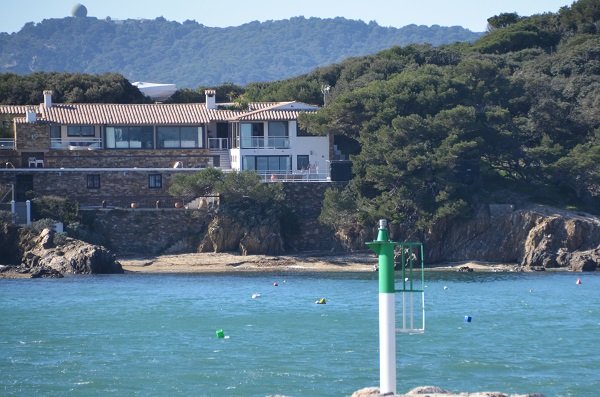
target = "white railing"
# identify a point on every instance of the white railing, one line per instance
(259, 142)
(218, 143)
(7, 143)
(289, 176)
(76, 143)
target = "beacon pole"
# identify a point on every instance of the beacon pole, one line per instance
(384, 248)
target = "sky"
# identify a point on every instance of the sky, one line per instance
(471, 14)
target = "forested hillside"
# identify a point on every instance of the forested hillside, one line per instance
(437, 131)
(190, 54)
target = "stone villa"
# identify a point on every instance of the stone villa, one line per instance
(123, 153)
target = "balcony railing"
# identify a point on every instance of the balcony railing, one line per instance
(7, 143)
(296, 176)
(272, 142)
(76, 143)
(218, 143)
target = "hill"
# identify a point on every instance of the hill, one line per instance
(190, 54)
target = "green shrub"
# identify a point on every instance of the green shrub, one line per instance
(55, 207)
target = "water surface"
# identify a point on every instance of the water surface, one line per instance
(154, 335)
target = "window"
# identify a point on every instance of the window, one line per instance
(264, 164)
(253, 135)
(55, 131)
(155, 181)
(302, 162)
(278, 134)
(80, 130)
(93, 181)
(179, 137)
(139, 137)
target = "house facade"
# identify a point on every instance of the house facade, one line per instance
(92, 151)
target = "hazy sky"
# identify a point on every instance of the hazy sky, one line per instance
(471, 14)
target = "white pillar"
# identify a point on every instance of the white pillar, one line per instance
(28, 209)
(387, 344)
(13, 210)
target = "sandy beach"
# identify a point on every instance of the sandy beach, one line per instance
(310, 262)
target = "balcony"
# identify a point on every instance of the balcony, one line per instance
(7, 143)
(272, 142)
(76, 143)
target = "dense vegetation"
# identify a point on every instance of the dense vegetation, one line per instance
(190, 54)
(68, 88)
(437, 131)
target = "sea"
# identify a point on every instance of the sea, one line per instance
(156, 335)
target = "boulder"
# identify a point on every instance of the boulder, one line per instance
(47, 258)
(249, 235)
(585, 261)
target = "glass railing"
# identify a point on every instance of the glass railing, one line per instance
(7, 143)
(76, 143)
(218, 143)
(293, 176)
(259, 142)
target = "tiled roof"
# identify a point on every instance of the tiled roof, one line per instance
(133, 114)
(12, 109)
(284, 111)
(156, 114)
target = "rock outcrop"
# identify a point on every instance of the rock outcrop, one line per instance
(534, 237)
(249, 236)
(42, 255)
(434, 391)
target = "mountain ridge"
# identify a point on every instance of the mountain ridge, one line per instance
(191, 54)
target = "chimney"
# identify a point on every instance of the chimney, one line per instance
(211, 99)
(47, 99)
(30, 115)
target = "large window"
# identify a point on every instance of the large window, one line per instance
(139, 137)
(302, 162)
(264, 164)
(179, 137)
(278, 135)
(253, 135)
(80, 130)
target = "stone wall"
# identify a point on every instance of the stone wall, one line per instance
(117, 187)
(32, 137)
(121, 158)
(148, 232)
(179, 230)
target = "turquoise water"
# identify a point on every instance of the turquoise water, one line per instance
(154, 335)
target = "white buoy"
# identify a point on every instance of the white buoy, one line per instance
(255, 295)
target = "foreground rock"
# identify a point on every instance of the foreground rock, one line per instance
(44, 256)
(434, 391)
